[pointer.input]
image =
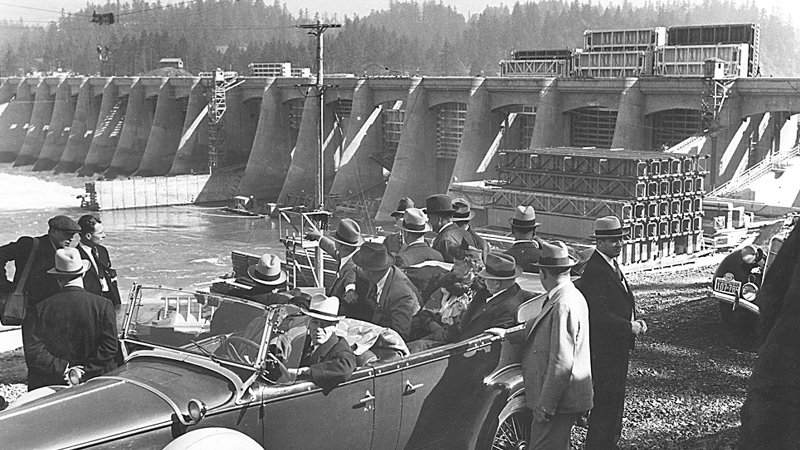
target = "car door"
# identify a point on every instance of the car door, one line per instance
(304, 416)
(388, 405)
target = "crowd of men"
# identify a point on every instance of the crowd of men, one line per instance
(575, 352)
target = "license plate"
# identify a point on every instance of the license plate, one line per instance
(727, 287)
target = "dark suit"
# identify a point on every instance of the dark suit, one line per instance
(72, 328)
(346, 274)
(91, 281)
(416, 253)
(476, 241)
(331, 363)
(449, 236)
(526, 254)
(40, 285)
(481, 315)
(611, 307)
(398, 302)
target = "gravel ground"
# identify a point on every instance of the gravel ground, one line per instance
(688, 375)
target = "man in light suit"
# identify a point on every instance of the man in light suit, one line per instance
(613, 328)
(556, 364)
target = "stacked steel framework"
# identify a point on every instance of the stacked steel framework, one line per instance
(659, 196)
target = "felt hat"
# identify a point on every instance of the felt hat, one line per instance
(438, 204)
(555, 255)
(414, 221)
(324, 308)
(500, 266)
(463, 211)
(64, 223)
(373, 256)
(524, 217)
(348, 233)
(403, 205)
(69, 262)
(608, 226)
(267, 271)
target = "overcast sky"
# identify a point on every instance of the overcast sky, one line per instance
(44, 10)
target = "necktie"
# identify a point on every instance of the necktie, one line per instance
(618, 272)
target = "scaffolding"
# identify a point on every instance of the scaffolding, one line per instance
(217, 105)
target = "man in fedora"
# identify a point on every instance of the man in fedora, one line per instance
(439, 209)
(496, 304)
(72, 329)
(327, 358)
(391, 299)
(556, 363)
(342, 245)
(101, 279)
(527, 246)
(62, 232)
(395, 241)
(414, 225)
(613, 328)
(462, 216)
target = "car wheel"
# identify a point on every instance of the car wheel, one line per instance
(513, 426)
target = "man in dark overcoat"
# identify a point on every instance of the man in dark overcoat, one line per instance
(439, 209)
(101, 279)
(74, 329)
(612, 329)
(462, 216)
(416, 251)
(342, 245)
(527, 247)
(395, 241)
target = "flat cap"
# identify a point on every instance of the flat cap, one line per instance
(64, 223)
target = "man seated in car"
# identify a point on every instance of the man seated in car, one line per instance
(327, 358)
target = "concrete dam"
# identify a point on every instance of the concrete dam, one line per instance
(385, 137)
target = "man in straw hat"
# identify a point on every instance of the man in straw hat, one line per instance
(72, 329)
(527, 246)
(613, 328)
(496, 304)
(391, 299)
(556, 363)
(395, 241)
(461, 217)
(327, 358)
(439, 209)
(342, 245)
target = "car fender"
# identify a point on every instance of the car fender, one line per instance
(213, 438)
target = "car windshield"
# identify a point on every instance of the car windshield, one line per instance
(223, 329)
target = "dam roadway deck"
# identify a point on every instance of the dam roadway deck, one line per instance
(386, 137)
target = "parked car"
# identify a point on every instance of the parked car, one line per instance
(197, 366)
(738, 277)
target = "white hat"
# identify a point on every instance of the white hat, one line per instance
(69, 262)
(267, 271)
(324, 308)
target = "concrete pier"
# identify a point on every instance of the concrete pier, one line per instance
(301, 179)
(135, 133)
(106, 136)
(165, 134)
(63, 115)
(84, 122)
(192, 155)
(628, 132)
(38, 125)
(478, 134)
(15, 120)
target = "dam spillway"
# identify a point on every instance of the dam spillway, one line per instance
(385, 137)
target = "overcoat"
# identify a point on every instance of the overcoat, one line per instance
(449, 236)
(481, 315)
(331, 363)
(526, 254)
(40, 285)
(346, 275)
(398, 302)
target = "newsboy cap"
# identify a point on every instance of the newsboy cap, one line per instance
(64, 223)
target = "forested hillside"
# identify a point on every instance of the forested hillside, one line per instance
(428, 38)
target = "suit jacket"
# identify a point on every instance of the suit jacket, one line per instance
(331, 363)
(40, 285)
(398, 302)
(449, 237)
(526, 253)
(556, 362)
(501, 311)
(91, 281)
(71, 328)
(611, 307)
(416, 253)
(393, 242)
(476, 241)
(346, 274)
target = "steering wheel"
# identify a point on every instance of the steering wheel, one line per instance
(245, 353)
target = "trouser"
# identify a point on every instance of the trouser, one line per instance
(770, 420)
(553, 434)
(609, 374)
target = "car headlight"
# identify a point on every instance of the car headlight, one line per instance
(197, 410)
(749, 291)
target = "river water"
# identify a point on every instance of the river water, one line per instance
(175, 246)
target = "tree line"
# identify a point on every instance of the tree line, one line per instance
(428, 38)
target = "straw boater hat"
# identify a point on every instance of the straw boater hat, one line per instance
(463, 211)
(438, 204)
(608, 226)
(267, 271)
(324, 308)
(414, 221)
(69, 262)
(402, 205)
(555, 255)
(373, 256)
(348, 233)
(524, 218)
(500, 266)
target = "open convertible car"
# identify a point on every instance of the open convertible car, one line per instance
(738, 277)
(199, 365)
